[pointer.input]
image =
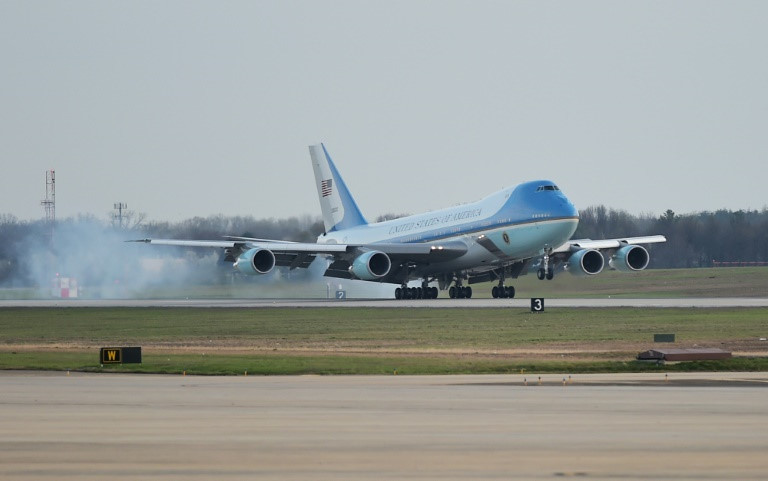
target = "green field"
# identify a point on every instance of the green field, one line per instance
(408, 341)
(653, 283)
(373, 340)
(372, 328)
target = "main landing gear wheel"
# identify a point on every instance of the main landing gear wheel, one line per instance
(504, 292)
(416, 293)
(460, 292)
(429, 292)
(408, 293)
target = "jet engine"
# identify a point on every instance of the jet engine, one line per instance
(586, 262)
(371, 265)
(630, 258)
(255, 261)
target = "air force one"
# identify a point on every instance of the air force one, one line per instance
(493, 239)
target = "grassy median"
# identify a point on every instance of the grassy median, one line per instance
(374, 340)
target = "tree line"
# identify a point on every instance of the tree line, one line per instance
(702, 239)
(693, 240)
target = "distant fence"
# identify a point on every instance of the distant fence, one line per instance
(739, 263)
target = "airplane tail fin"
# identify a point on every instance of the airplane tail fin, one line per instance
(340, 210)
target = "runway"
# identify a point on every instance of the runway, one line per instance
(391, 303)
(80, 426)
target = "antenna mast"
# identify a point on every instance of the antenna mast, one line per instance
(49, 203)
(118, 215)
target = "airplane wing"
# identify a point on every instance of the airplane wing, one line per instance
(578, 244)
(588, 257)
(432, 250)
(259, 256)
(273, 245)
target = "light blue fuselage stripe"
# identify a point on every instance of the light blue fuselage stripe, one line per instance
(469, 229)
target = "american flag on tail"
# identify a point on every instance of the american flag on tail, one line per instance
(326, 187)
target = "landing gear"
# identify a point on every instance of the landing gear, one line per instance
(429, 292)
(546, 270)
(423, 292)
(406, 292)
(505, 292)
(502, 291)
(455, 291)
(547, 274)
(460, 292)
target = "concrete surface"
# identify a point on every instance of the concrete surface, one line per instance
(119, 427)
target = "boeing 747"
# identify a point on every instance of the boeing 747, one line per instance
(493, 239)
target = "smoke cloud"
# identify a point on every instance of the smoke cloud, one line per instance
(97, 256)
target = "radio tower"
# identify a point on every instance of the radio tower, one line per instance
(118, 215)
(49, 203)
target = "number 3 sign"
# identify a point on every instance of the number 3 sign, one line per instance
(537, 304)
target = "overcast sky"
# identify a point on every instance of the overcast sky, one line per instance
(188, 108)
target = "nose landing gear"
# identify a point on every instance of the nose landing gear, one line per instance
(546, 270)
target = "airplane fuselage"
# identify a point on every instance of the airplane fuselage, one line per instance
(513, 223)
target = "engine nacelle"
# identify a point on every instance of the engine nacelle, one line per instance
(371, 265)
(630, 258)
(586, 262)
(255, 261)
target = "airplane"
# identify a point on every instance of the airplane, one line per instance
(493, 239)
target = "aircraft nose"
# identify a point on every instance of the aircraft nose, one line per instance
(574, 212)
(567, 207)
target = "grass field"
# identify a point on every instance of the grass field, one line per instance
(373, 340)
(653, 283)
(408, 341)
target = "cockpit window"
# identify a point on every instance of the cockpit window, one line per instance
(546, 187)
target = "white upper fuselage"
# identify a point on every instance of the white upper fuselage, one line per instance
(520, 222)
